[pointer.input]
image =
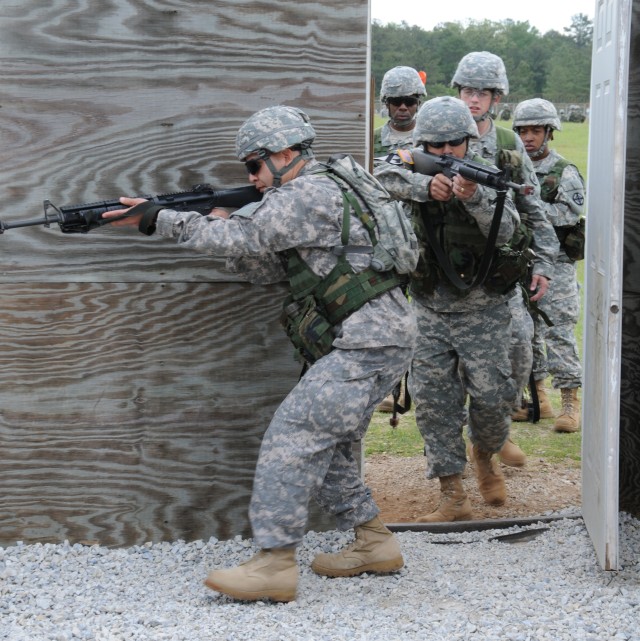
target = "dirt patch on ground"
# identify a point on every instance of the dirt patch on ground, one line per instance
(403, 493)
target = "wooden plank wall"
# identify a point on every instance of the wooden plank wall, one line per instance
(136, 379)
(630, 361)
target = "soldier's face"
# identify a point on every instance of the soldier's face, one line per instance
(533, 137)
(457, 148)
(402, 111)
(479, 101)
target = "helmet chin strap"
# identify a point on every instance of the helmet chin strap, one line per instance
(279, 173)
(403, 125)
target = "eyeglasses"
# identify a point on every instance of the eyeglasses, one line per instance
(439, 145)
(253, 166)
(469, 92)
(409, 101)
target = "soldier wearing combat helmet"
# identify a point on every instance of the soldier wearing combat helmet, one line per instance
(463, 336)
(402, 92)
(555, 349)
(294, 233)
(481, 81)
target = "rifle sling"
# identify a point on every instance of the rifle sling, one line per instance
(487, 255)
(149, 211)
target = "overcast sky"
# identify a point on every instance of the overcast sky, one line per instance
(542, 14)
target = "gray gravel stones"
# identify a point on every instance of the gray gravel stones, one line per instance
(548, 588)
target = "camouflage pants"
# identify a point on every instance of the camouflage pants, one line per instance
(460, 355)
(555, 349)
(306, 450)
(520, 348)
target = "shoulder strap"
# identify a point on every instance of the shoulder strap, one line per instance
(506, 138)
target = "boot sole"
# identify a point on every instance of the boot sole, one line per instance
(273, 595)
(380, 567)
(513, 462)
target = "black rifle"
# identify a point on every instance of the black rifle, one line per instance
(430, 165)
(79, 219)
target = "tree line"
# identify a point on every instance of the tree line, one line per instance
(554, 65)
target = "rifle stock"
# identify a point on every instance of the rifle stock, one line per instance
(80, 219)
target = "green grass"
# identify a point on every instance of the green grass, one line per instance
(536, 440)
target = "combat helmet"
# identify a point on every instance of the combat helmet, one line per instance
(537, 112)
(442, 119)
(274, 129)
(534, 113)
(402, 81)
(482, 70)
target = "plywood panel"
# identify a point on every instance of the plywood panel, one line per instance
(134, 412)
(124, 97)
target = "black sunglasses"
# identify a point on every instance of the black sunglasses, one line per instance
(439, 145)
(409, 101)
(253, 166)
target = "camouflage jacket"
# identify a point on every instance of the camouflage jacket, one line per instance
(531, 207)
(568, 204)
(306, 214)
(413, 188)
(386, 140)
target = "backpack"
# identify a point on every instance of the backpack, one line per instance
(395, 246)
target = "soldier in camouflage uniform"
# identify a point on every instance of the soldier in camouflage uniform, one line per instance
(401, 92)
(535, 121)
(463, 338)
(306, 451)
(481, 81)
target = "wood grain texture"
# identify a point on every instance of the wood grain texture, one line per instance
(136, 378)
(131, 412)
(127, 97)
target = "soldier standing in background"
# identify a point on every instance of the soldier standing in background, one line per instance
(402, 92)
(562, 191)
(292, 233)
(481, 81)
(463, 337)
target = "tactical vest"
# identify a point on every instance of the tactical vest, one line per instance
(464, 245)
(572, 239)
(317, 304)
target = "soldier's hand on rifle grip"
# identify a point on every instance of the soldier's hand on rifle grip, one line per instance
(463, 189)
(132, 221)
(441, 188)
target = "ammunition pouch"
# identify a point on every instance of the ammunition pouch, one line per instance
(317, 304)
(572, 240)
(509, 267)
(307, 328)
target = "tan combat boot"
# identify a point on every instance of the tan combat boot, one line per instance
(512, 455)
(490, 478)
(374, 550)
(386, 405)
(454, 504)
(546, 410)
(270, 574)
(569, 419)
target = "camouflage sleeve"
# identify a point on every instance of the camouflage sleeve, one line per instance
(305, 212)
(482, 208)
(545, 241)
(260, 270)
(568, 206)
(402, 183)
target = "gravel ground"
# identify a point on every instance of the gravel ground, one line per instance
(453, 586)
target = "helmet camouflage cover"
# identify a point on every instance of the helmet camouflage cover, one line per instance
(536, 112)
(443, 119)
(482, 70)
(401, 81)
(274, 129)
